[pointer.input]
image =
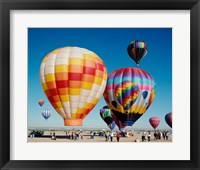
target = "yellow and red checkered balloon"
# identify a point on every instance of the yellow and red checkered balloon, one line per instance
(73, 80)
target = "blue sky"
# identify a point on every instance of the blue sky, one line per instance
(110, 44)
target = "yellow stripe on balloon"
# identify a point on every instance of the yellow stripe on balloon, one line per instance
(61, 68)
(98, 80)
(142, 110)
(73, 115)
(75, 61)
(138, 109)
(120, 108)
(79, 110)
(44, 86)
(64, 98)
(59, 104)
(87, 105)
(88, 57)
(49, 77)
(105, 76)
(97, 57)
(95, 101)
(74, 91)
(87, 86)
(135, 108)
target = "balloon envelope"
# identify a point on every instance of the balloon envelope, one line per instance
(129, 92)
(46, 113)
(118, 123)
(137, 50)
(40, 102)
(154, 121)
(168, 119)
(112, 125)
(106, 115)
(73, 80)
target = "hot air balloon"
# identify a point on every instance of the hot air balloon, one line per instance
(107, 117)
(73, 80)
(46, 113)
(112, 125)
(40, 102)
(116, 120)
(137, 50)
(168, 119)
(154, 121)
(118, 123)
(129, 92)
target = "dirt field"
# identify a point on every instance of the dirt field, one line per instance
(61, 137)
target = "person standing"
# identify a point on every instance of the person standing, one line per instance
(149, 137)
(118, 136)
(111, 136)
(108, 135)
(143, 137)
(164, 135)
(155, 135)
(82, 135)
(167, 135)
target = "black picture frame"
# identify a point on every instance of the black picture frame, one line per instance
(7, 5)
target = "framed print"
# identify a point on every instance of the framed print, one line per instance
(99, 84)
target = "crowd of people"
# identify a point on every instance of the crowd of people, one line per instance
(111, 136)
(158, 135)
(74, 135)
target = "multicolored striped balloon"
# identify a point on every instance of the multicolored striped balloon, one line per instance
(126, 93)
(129, 92)
(73, 80)
(137, 50)
(46, 113)
(168, 119)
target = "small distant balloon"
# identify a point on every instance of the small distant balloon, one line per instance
(137, 50)
(46, 113)
(40, 102)
(106, 115)
(168, 119)
(154, 121)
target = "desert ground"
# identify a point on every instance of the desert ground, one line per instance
(87, 136)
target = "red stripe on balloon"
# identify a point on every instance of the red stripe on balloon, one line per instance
(89, 70)
(62, 83)
(99, 66)
(75, 76)
(53, 92)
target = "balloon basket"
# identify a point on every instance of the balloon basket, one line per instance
(73, 122)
